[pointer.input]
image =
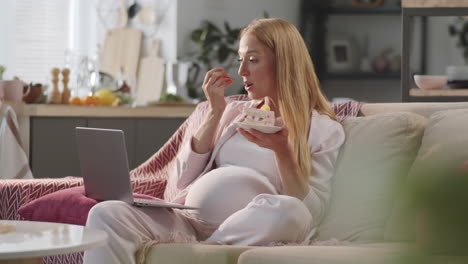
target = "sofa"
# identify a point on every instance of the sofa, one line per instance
(371, 218)
(389, 149)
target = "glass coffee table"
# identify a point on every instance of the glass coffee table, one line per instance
(25, 242)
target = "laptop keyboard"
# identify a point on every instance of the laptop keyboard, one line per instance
(146, 201)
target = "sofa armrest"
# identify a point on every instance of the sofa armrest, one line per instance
(15, 193)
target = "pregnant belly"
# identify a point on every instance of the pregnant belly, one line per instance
(225, 190)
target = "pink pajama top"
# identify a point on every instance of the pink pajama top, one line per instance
(254, 167)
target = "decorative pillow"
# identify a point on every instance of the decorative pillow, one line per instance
(371, 166)
(442, 156)
(69, 206)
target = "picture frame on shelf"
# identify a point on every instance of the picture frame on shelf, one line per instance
(341, 55)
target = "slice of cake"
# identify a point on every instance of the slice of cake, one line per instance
(263, 116)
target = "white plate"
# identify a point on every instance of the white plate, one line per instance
(261, 128)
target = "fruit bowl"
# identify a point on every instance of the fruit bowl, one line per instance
(430, 82)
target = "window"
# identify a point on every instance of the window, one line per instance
(39, 39)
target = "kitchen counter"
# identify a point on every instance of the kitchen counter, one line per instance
(49, 110)
(26, 112)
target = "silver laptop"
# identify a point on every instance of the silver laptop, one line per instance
(104, 167)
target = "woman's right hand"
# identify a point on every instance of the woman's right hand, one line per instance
(215, 82)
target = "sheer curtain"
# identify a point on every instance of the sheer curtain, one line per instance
(38, 35)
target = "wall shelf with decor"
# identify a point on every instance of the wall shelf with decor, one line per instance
(362, 75)
(445, 95)
(317, 30)
(412, 9)
(393, 10)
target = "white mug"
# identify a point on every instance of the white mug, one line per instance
(12, 91)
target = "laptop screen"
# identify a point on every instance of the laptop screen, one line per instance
(104, 163)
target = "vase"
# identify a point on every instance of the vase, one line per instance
(176, 78)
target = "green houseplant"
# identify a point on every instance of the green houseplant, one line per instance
(459, 29)
(217, 47)
(2, 70)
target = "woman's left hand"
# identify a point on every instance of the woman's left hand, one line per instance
(277, 142)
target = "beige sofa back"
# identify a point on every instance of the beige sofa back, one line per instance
(424, 109)
(373, 166)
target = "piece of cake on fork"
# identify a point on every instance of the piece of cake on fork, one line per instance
(262, 116)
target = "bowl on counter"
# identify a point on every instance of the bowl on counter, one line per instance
(430, 82)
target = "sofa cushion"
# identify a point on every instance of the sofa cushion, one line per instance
(443, 152)
(372, 164)
(69, 206)
(194, 253)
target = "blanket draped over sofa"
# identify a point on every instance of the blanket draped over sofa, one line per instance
(149, 178)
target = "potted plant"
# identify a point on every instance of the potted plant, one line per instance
(458, 75)
(459, 29)
(217, 47)
(2, 70)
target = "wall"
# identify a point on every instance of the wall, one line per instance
(179, 18)
(3, 29)
(7, 29)
(176, 19)
(441, 50)
(238, 13)
(93, 18)
(84, 27)
(371, 91)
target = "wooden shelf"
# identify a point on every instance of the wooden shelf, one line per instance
(431, 11)
(361, 76)
(396, 10)
(434, 3)
(438, 93)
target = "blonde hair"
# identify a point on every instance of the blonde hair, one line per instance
(298, 89)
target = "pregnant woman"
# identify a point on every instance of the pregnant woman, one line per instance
(252, 188)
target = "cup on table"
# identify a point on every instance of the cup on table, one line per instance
(12, 91)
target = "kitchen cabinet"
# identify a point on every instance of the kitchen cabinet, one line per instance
(48, 132)
(53, 146)
(53, 152)
(151, 134)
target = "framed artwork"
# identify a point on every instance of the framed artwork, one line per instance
(340, 55)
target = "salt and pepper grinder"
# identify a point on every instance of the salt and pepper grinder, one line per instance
(55, 96)
(66, 91)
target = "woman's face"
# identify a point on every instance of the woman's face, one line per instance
(257, 68)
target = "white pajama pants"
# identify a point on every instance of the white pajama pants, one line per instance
(266, 219)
